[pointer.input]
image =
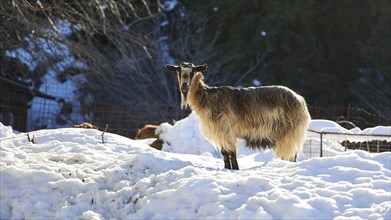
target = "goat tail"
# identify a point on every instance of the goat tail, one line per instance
(290, 146)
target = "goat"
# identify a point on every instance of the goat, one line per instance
(265, 117)
(148, 131)
(86, 125)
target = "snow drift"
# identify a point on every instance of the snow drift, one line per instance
(68, 173)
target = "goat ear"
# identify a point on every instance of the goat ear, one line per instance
(171, 68)
(201, 68)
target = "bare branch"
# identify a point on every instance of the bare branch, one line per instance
(40, 8)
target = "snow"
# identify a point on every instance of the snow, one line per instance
(256, 82)
(336, 132)
(38, 52)
(25, 57)
(169, 5)
(322, 125)
(69, 173)
(190, 137)
(6, 131)
(378, 130)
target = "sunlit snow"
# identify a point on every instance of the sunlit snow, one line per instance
(69, 173)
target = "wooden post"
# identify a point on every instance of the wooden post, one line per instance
(368, 147)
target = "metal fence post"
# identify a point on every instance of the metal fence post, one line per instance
(321, 144)
(378, 146)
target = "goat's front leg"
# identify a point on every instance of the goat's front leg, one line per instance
(234, 162)
(230, 161)
(227, 161)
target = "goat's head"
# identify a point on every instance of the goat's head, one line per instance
(185, 72)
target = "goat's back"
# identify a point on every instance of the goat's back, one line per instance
(255, 100)
(260, 115)
(148, 131)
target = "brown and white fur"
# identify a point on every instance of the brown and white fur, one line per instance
(149, 131)
(266, 117)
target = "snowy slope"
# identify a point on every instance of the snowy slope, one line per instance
(68, 173)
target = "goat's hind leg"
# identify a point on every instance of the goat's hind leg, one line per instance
(227, 161)
(230, 161)
(234, 162)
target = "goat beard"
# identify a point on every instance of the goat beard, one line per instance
(184, 104)
(198, 78)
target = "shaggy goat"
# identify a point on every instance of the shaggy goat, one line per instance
(148, 131)
(86, 125)
(266, 117)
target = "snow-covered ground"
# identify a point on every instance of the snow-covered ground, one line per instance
(69, 173)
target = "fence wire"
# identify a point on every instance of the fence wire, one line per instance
(323, 144)
(27, 110)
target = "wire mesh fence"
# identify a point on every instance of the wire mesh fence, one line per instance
(126, 119)
(323, 144)
(360, 116)
(40, 113)
(27, 110)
